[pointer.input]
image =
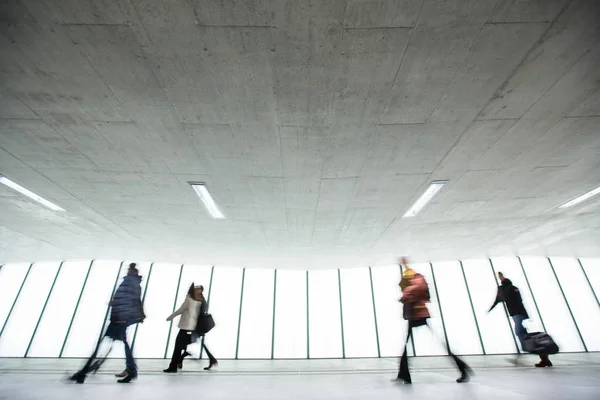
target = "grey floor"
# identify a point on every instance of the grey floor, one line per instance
(574, 377)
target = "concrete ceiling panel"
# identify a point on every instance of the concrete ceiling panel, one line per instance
(314, 124)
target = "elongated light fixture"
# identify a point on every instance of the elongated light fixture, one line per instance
(209, 203)
(15, 186)
(581, 198)
(425, 198)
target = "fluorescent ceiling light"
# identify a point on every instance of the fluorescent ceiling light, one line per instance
(425, 198)
(209, 203)
(15, 186)
(581, 198)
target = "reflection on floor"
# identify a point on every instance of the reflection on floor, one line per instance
(574, 377)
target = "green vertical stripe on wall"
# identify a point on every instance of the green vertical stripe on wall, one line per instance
(174, 305)
(462, 269)
(532, 295)
(237, 340)
(412, 337)
(504, 308)
(568, 305)
(112, 294)
(43, 309)
(143, 300)
(588, 281)
(341, 314)
(374, 313)
(307, 321)
(274, 302)
(87, 275)
(440, 308)
(16, 299)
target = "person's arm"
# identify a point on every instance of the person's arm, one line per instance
(499, 299)
(178, 311)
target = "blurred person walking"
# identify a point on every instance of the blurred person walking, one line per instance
(415, 295)
(126, 310)
(511, 296)
(192, 313)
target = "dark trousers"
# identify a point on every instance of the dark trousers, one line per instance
(520, 332)
(115, 331)
(210, 356)
(183, 339)
(404, 372)
(181, 342)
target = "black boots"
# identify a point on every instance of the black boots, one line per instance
(129, 377)
(464, 377)
(406, 381)
(545, 362)
(78, 377)
(465, 374)
(211, 364)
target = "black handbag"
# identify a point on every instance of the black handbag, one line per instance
(205, 324)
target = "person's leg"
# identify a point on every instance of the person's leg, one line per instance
(211, 359)
(80, 375)
(520, 330)
(208, 353)
(184, 352)
(404, 372)
(101, 355)
(92, 364)
(87, 367)
(129, 360)
(520, 333)
(463, 367)
(176, 356)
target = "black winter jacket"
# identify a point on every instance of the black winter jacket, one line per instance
(511, 295)
(126, 303)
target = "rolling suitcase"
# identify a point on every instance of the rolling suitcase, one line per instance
(539, 343)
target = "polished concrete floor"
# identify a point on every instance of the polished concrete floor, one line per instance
(574, 377)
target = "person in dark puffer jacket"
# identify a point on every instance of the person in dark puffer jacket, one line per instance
(126, 310)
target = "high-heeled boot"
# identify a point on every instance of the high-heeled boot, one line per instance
(211, 364)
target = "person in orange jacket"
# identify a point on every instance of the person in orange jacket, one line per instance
(415, 296)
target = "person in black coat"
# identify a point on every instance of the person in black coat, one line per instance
(511, 296)
(126, 310)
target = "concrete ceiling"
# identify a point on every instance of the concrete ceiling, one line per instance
(314, 123)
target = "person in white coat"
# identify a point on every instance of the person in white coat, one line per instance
(192, 308)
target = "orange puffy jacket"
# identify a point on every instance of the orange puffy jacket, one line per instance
(415, 297)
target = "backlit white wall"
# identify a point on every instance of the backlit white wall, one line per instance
(54, 309)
